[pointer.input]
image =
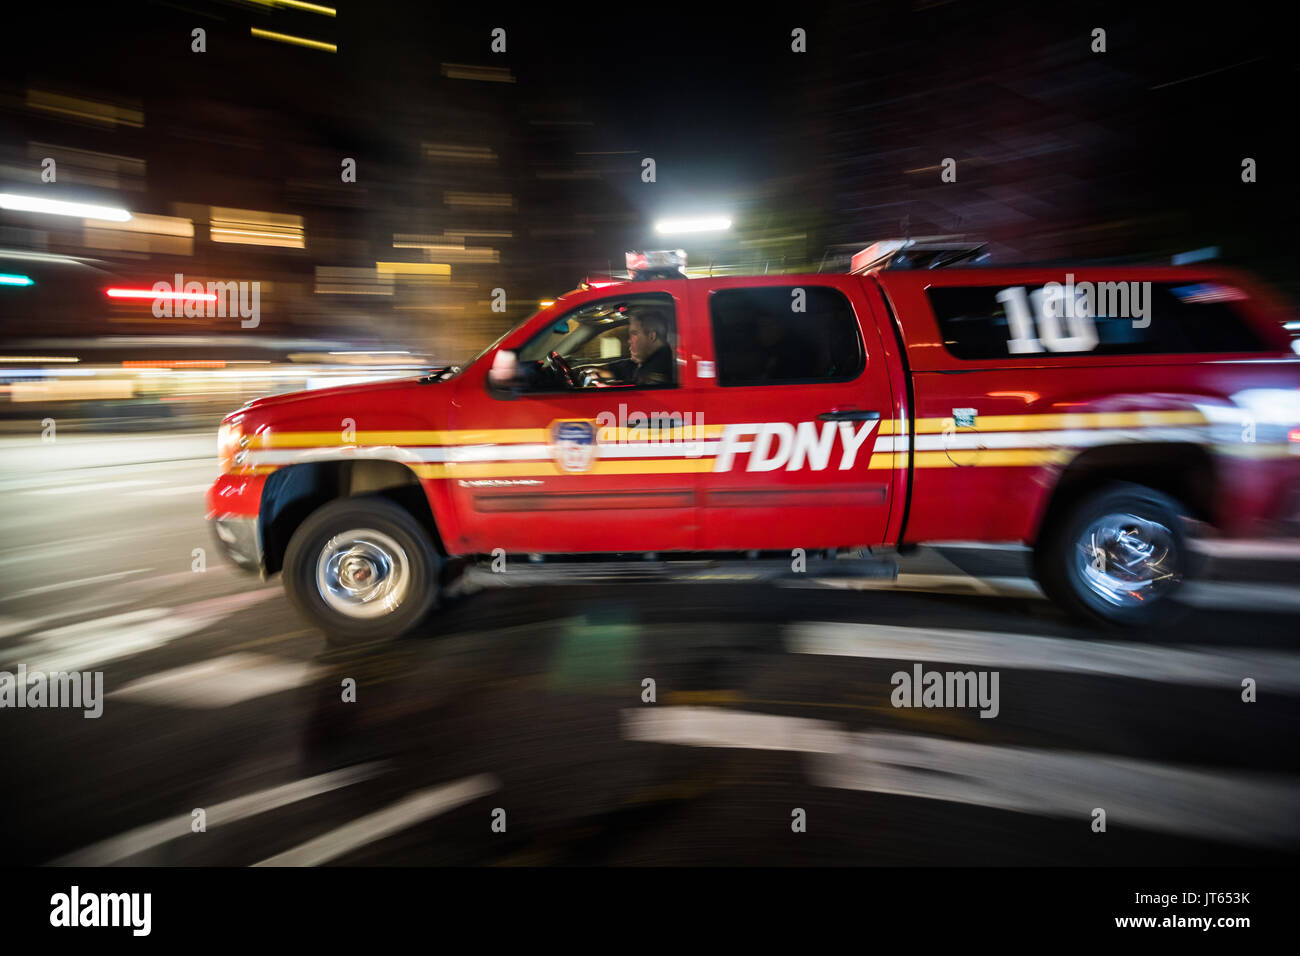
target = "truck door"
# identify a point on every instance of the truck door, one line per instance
(801, 414)
(581, 461)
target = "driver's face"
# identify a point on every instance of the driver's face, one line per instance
(640, 344)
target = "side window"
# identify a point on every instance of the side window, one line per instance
(624, 342)
(1108, 318)
(785, 335)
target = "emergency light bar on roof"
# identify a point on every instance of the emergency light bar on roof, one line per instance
(657, 264)
(923, 252)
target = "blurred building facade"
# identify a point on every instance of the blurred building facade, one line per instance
(486, 181)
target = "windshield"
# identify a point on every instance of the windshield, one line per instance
(595, 331)
(455, 370)
(577, 336)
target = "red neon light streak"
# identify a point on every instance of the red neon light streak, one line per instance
(150, 294)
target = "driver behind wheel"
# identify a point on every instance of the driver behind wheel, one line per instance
(650, 360)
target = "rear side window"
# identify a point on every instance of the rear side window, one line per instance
(1116, 318)
(785, 335)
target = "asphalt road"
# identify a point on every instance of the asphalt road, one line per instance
(514, 730)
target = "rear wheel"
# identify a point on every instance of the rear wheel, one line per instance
(1118, 556)
(362, 569)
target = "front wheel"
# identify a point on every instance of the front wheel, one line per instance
(362, 569)
(1118, 556)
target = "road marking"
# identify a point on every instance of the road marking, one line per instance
(19, 625)
(47, 588)
(1222, 667)
(175, 490)
(992, 586)
(1233, 806)
(128, 844)
(81, 546)
(1216, 595)
(9, 626)
(1286, 549)
(222, 682)
(190, 578)
(80, 646)
(976, 546)
(93, 487)
(419, 806)
(731, 729)
(1240, 596)
(31, 478)
(84, 644)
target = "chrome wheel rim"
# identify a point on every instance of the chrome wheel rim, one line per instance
(362, 574)
(1128, 560)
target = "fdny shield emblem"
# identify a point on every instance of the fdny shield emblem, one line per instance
(573, 444)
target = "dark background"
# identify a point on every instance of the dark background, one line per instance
(1061, 152)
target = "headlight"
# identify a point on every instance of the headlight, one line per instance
(230, 442)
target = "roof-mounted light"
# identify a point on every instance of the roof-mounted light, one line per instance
(657, 264)
(923, 252)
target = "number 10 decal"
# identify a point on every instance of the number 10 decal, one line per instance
(1048, 307)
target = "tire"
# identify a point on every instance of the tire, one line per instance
(1118, 556)
(362, 569)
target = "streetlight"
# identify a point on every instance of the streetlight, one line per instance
(702, 224)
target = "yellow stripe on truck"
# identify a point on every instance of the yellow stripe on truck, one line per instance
(482, 436)
(982, 458)
(1067, 421)
(888, 426)
(548, 469)
(979, 458)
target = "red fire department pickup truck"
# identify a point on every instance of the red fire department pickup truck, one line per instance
(1098, 414)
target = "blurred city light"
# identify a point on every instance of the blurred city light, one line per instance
(295, 41)
(707, 224)
(298, 5)
(151, 294)
(252, 227)
(456, 187)
(59, 207)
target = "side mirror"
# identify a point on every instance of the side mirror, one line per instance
(503, 376)
(505, 368)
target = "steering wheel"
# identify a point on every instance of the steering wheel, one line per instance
(556, 361)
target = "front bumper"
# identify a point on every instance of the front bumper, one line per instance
(238, 540)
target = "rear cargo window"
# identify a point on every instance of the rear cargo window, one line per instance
(785, 335)
(1127, 318)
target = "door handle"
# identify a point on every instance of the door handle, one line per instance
(848, 415)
